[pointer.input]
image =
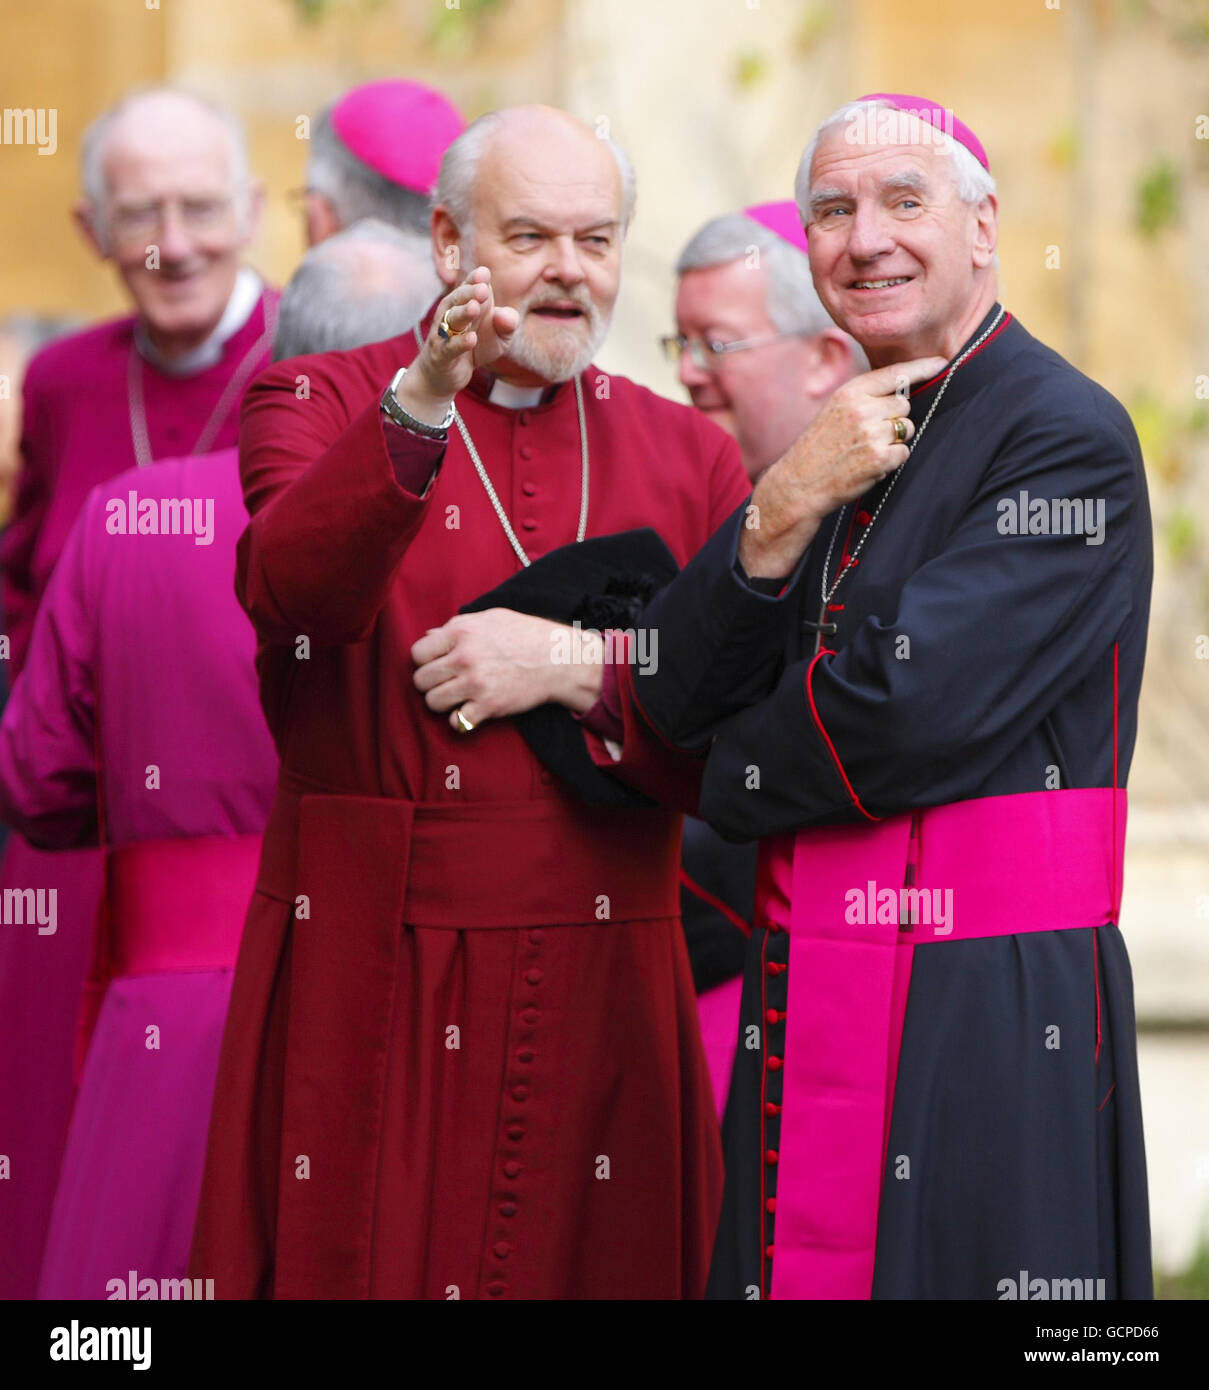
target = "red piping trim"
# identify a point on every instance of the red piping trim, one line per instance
(686, 881)
(818, 723)
(1104, 1102)
(763, 1118)
(1095, 960)
(924, 385)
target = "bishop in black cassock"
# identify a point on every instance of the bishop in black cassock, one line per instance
(925, 713)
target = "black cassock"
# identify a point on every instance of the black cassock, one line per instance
(1025, 1157)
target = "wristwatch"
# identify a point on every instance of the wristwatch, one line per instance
(394, 411)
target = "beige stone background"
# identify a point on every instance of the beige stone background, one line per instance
(1096, 117)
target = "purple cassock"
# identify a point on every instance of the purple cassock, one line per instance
(136, 724)
(86, 400)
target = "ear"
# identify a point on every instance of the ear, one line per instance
(321, 219)
(986, 232)
(84, 215)
(447, 248)
(832, 364)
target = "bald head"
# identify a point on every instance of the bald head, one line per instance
(158, 127)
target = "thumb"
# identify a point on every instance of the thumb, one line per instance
(885, 380)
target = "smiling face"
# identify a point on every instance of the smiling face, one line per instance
(761, 395)
(169, 185)
(898, 259)
(547, 223)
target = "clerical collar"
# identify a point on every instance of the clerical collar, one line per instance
(245, 295)
(974, 373)
(515, 397)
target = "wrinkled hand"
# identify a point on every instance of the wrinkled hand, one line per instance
(499, 663)
(481, 332)
(848, 447)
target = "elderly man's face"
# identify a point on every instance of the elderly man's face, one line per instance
(547, 224)
(171, 195)
(762, 395)
(895, 254)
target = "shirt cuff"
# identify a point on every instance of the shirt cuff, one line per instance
(415, 458)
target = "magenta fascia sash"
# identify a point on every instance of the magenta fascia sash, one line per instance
(996, 866)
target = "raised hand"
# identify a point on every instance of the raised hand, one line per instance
(849, 445)
(479, 332)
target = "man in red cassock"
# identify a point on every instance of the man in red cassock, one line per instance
(462, 1058)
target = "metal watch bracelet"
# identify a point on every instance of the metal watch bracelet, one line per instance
(394, 411)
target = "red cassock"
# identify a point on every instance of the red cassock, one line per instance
(462, 1058)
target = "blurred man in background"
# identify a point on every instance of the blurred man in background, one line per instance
(89, 717)
(168, 199)
(376, 152)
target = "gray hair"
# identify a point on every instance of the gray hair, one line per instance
(459, 167)
(791, 300)
(972, 182)
(334, 302)
(92, 144)
(354, 189)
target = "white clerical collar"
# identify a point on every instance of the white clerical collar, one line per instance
(245, 296)
(515, 397)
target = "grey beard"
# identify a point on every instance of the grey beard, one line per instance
(560, 361)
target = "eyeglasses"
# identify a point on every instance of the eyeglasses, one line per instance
(705, 351)
(197, 215)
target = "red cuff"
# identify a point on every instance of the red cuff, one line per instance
(604, 718)
(414, 458)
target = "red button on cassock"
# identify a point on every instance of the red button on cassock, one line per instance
(537, 936)
(501, 1249)
(771, 1156)
(529, 1016)
(520, 1093)
(768, 1251)
(863, 518)
(775, 1063)
(770, 1204)
(516, 1133)
(512, 1168)
(772, 1016)
(774, 926)
(507, 1208)
(496, 1289)
(533, 977)
(525, 1055)
(771, 1109)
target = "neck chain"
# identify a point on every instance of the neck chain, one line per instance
(139, 436)
(581, 530)
(827, 594)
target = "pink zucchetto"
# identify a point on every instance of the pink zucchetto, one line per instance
(400, 129)
(938, 117)
(783, 219)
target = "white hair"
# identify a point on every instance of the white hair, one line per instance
(971, 181)
(793, 304)
(459, 168)
(355, 190)
(93, 144)
(336, 299)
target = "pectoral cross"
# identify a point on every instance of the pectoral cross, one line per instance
(820, 629)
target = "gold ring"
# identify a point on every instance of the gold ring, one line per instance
(444, 328)
(900, 429)
(464, 724)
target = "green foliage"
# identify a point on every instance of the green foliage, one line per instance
(1156, 198)
(1192, 1282)
(751, 68)
(1180, 534)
